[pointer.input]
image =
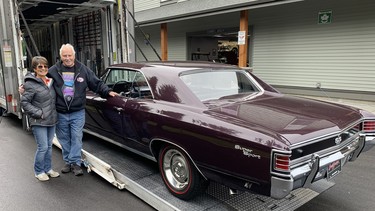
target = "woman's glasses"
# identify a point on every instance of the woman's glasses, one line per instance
(42, 66)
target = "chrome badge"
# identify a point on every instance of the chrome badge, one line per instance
(338, 140)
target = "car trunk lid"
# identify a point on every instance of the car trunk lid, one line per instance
(297, 119)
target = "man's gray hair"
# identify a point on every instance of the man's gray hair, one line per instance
(67, 46)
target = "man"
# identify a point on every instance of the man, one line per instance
(71, 79)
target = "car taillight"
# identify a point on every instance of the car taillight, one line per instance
(369, 126)
(281, 162)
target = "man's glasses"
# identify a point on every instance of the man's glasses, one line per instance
(42, 66)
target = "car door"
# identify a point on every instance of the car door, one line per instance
(104, 115)
(122, 118)
(136, 115)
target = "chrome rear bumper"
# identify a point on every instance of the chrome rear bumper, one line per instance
(316, 169)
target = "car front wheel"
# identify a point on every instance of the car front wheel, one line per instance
(179, 174)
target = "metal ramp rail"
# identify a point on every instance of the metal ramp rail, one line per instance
(140, 176)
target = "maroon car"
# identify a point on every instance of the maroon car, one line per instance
(208, 121)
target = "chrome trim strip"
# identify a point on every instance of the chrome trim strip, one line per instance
(320, 138)
(120, 145)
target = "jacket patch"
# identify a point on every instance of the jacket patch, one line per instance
(80, 79)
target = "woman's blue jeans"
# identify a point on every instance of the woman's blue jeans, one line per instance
(69, 132)
(43, 156)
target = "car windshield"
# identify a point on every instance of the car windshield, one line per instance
(211, 85)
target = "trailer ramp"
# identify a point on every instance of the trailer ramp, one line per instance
(140, 176)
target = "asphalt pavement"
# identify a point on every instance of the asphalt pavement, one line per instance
(354, 189)
(20, 190)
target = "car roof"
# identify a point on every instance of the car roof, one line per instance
(163, 75)
(183, 64)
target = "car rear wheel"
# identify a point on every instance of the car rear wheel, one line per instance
(179, 174)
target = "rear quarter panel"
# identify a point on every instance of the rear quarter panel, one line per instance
(213, 143)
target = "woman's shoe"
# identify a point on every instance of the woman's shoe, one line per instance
(42, 177)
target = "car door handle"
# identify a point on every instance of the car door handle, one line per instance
(118, 108)
(99, 99)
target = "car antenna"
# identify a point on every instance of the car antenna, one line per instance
(143, 33)
(319, 86)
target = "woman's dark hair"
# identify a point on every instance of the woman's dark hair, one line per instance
(37, 60)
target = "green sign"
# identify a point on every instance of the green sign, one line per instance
(325, 17)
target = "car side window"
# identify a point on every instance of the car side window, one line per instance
(140, 87)
(128, 83)
(119, 80)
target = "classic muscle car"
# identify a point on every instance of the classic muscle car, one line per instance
(212, 122)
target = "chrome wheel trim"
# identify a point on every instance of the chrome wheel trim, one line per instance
(176, 169)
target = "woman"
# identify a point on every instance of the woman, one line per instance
(38, 101)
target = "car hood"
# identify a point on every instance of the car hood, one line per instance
(296, 119)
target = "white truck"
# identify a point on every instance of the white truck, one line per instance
(12, 67)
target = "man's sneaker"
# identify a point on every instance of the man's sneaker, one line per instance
(53, 173)
(66, 168)
(77, 170)
(42, 177)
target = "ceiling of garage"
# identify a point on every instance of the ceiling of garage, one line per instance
(41, 13)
